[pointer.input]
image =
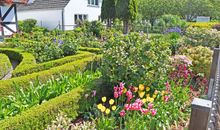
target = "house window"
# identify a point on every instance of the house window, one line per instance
(80, 17)
(93, 2)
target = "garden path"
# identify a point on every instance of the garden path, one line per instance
(9, 75)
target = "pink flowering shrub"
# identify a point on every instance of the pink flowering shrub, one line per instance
(184, 76)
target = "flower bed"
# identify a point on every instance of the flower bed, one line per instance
(6, 87)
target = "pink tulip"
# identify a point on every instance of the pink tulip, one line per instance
(122, 113)
(116, 95)
(150, 105)
(144, 111)
(116, 88)
(153, 112)
(166, 98)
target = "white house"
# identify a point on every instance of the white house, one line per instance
(52, 13)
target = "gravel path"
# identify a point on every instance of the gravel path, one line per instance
(9, 75)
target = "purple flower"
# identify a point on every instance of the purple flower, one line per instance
(60, 42)
(54, 40)
(174, 30)
(93, 93)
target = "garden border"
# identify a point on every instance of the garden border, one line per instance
(6, 86)
(38, 117)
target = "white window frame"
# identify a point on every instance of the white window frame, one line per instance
(93, 2)
(84, 17)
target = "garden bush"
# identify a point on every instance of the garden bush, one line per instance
(24, 59)
(38, 117)
(6, 87)
(5, 65)
(132, 59)
(202, 37)
(38, 93)
(28, 25)
(171, 21)
(174, 39)
(201, 59)
(28, 69)
(207, 25)
(216, 26)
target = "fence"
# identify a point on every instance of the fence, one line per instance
(205, 114)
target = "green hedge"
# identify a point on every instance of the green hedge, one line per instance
(93, 50)
(38, 117)
(19, 55)
(27, 69)
(5, 65)
(6, 86)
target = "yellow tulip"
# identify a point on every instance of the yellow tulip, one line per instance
(113, 108)
(147, 95)
(124, 90)
(147, 89)
(99, 106)
(107, 111)
(103, 109)
(103, 99)
(151, 100)
(156, 92)
(148, 99)
(141, 94)
(162, 92)
(154, 96)
(144, 100)
(111, 101)
(141, 87)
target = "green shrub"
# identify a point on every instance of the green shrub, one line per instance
(38, 117)
(38, 93)
(69, 47)
(201, 59)
(28, 69)
(92, 50)
(207, 25)
(5, 65)
(6, 87)
(28, 25)
(173, 39)
(216, 26)
(202, 37)
(132, 59)
(170, 21)
(25, 59)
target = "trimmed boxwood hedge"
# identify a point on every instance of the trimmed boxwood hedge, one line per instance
(38, 117)
(6, 86)
(29, 69)
(5, 65)
(19, 55)
(93, 50)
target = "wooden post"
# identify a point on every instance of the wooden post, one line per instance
(200, 114)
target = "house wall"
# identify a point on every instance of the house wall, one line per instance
(45, 18)
(80, 7)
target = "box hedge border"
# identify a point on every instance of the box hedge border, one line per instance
(38, 117)
(5, 65)
(93, 50)
(23, 57)
(6, 86)
(29, 69)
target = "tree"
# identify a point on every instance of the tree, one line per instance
(194, 8)
(127, 11)
(108, 11)
(153, 9)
